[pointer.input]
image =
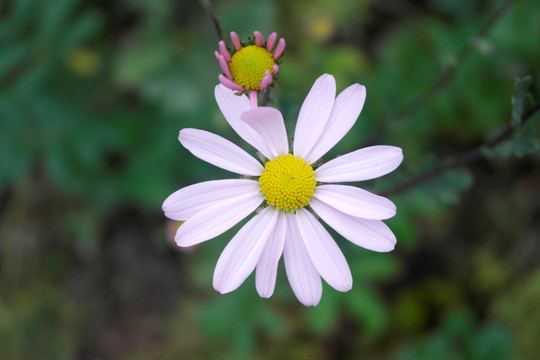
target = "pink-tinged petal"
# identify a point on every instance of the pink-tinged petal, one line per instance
(370, 234)
(232, 106)
(271, 41)
(324, 252)
(224, 52)
(236, 41)
(229, 84)
(223, 64)
(243, 252)
(217, 219)
(303, 276)
(220, 152)
(364, 164)
(188, 201)
(355, 201)
(279, 49)
(268, 122)
(275, 69)
(345, 111)
(265, 276)
(259, 39)
(314, 115)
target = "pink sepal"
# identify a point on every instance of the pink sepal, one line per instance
(224, 52)
(279, 49)
(228, 83)
(236, 41)
(266, 80)
(271, 41)
(223, 65)
(259, 39)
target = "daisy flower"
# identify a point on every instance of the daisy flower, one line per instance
(287, 193)
(251, 66)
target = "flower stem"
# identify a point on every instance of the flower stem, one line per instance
(253, 97)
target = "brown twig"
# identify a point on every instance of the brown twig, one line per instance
(465, 158)
(447, 75)
(210, 10)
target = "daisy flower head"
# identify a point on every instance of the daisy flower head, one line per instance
(287, 192)
(250, 66)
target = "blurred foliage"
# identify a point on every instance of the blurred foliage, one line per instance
(92, 96)
(526, 140)
(459, 338)
(517, 308)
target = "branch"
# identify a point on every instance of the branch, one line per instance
(446, 76)
(210, 10)
(465, 158)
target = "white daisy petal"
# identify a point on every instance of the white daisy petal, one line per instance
(265, 276)
(370, 234)
(355, 201)
(268, 123)
(242, 253)
(314, 115)
(345, 111)
(303, 276)
(220, 152)
(217, 219)
(364, 164)
(186, 202)
(232, 106)
(324, 252)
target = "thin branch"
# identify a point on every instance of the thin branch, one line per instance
(447, 75)
(210, 10)
(464, 159)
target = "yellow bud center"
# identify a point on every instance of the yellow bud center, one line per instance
(287, 183)
(249, 65)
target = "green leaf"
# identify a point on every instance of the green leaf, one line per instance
(493, 342)
(323, 317)
(526, 139)
(519, 99)
(11, 57)
(372, 266)
(21, 16)
(53, 21)
(81, 29)
(369, 309)
(443, 190)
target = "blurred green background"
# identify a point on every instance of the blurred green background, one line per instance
(92, 96)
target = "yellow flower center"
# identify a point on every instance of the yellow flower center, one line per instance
(287, 183)
(249, 65)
